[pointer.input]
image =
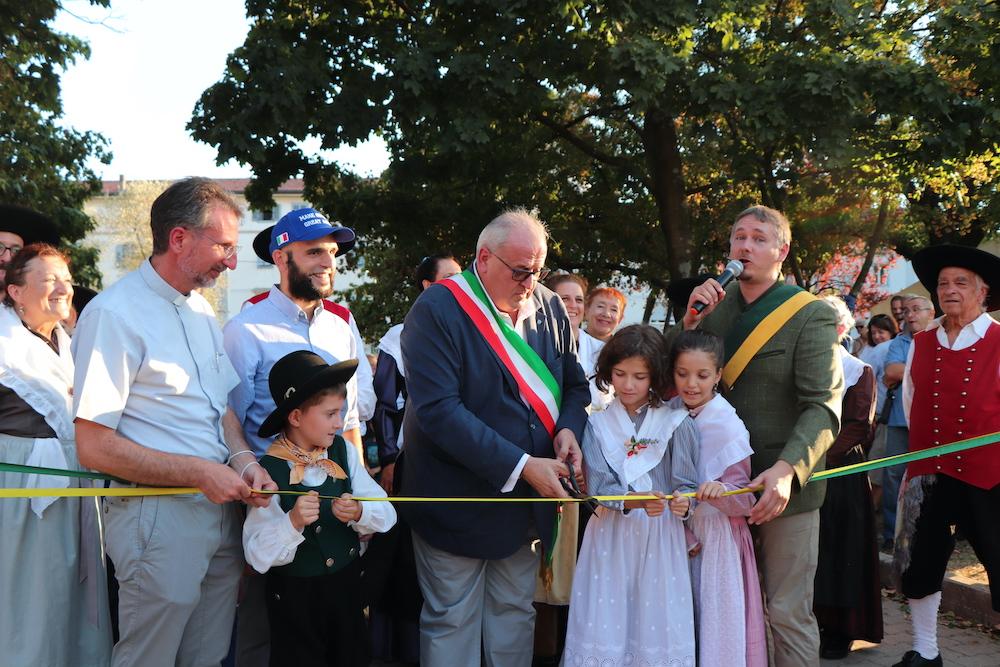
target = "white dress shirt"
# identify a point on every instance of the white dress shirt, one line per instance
(150, 364)
(971, 333)
(589, 349)
(270, 540)
(264, 332)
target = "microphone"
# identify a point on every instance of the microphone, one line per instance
(733, 270)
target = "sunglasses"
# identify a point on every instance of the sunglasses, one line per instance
(520, 275)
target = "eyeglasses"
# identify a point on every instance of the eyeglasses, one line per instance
(520, 275)
(228, 250)
(907, 311)
(14, 249)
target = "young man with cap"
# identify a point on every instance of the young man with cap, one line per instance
(20, 226)
(308, 544)
(950, 392)
(304, 246)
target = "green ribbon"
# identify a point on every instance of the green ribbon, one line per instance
(58, 472)
(898, 459)
(843, 471)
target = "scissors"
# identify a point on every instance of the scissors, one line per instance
(574, 491)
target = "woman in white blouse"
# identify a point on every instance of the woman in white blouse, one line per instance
(53, 591)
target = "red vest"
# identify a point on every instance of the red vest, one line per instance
(956, 396)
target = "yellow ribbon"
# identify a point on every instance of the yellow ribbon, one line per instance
(172, 491)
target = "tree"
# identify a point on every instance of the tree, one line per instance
(638, 129)
(43, 164)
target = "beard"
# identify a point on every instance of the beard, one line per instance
(199, 279)
(301, 285)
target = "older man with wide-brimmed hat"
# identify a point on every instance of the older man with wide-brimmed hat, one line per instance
(21, 226)
(950, 392)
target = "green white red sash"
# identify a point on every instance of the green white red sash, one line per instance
(536, 383)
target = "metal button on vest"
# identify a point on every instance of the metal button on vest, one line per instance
(532, 427)
(319, 529)
(329, 562)
(351, 551)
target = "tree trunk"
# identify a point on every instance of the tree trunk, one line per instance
(663, 156)
(874, 241)
(647, 312)
(771, 196)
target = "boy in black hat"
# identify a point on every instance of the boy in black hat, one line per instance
(308, 544)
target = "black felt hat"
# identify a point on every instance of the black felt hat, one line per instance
(927, 264)
(31, 226)
(81, 297)
(297, 376)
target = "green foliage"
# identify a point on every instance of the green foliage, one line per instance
(638, 129)
(42, 163)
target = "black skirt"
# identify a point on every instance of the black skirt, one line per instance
(848, 591)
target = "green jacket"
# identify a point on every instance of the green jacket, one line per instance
(789, 395)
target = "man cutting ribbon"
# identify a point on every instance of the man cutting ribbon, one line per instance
(495, 392)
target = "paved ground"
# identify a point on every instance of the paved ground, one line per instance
(960, 646)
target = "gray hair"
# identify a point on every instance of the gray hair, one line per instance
(495, 234)
(186, 204)
(770, 216)
(918, 297)
(980, 283)
(844, 317)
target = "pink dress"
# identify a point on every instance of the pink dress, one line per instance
(728, 602)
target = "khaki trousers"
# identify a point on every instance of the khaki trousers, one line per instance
(178, 561)
(788, 549)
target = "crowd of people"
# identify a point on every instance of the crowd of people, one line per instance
(499, 385)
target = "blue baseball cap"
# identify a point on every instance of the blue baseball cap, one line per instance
(303, 224)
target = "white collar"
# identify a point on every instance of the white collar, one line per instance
(853, 368)
(615, 431)
(978, 325)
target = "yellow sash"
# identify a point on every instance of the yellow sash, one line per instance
(761, 334)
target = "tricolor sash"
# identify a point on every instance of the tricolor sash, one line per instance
(758, 324)
(536, 383)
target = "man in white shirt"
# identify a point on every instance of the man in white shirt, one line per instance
(293, 316)
(151, 384)
(950, 393)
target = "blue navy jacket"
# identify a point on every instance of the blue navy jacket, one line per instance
(466, 427)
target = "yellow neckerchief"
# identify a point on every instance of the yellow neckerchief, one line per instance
(286, 450)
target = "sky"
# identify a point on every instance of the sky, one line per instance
(150, 61)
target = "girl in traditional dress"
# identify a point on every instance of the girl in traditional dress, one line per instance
(631, 599)
(728, 603)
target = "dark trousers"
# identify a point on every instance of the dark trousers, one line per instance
(317, 621)
(951, 502)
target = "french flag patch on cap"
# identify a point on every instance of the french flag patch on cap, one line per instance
(282, 239)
